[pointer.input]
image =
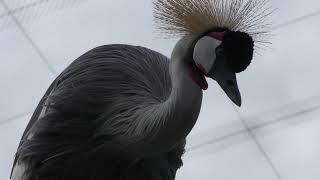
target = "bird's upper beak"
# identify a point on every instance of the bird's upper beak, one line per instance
(226, 79)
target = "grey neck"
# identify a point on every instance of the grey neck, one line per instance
(178, 114)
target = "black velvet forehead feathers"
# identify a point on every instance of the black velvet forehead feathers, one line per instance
(238, 48)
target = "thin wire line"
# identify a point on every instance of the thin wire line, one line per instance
(32, 43)
(213, 141)
(14, 118)
(24, 15)
(280, 119)
(18, 9)
(296, 20)
(255, 140)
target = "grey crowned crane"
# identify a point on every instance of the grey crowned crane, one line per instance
(122, 112)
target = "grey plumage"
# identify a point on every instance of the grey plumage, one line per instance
(93, 109)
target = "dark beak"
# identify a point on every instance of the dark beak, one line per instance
(226, 79)
(230, 87)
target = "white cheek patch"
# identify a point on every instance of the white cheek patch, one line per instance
(204, 53)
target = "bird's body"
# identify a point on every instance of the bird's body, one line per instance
(107, 101)
(122, 112)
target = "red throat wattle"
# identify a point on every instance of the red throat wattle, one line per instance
(198, 77)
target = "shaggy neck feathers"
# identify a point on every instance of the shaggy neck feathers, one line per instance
(177, 115)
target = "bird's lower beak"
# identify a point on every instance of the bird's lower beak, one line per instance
(227, 81)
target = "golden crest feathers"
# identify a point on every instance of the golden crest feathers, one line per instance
(176, 18)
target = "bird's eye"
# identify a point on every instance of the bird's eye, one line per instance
(219, 51)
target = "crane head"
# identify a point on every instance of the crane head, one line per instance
(222, 54)
(228, 31)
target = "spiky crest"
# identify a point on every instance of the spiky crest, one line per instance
(176, 18)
